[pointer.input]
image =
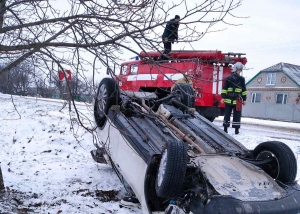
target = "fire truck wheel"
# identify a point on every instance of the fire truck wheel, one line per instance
(282, 165)
(209, 113)
(171, 171)
(188, 94)
(107, 95)
(211, 119)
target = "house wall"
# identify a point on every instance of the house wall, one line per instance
(268, 108)
(283, 84)
(270, 96)
(278, 83)
(281, 112)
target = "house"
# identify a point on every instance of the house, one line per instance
(274, 93)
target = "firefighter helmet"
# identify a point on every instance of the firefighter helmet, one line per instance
(237, 66)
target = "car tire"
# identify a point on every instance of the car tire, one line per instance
(187, 92)
(284, 166)
(171, 172)
(107, 95)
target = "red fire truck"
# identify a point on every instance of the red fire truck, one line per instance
(209, 69)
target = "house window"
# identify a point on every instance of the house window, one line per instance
(124, 70)
(134, 69)
(271, 79)
(281, 98)
(255, 97)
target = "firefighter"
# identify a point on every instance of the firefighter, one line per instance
(187, 78)
(169, 36)
(234, 91)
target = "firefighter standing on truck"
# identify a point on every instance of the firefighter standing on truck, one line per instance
(233, 93)
(169, 36)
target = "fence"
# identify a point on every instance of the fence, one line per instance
(281, 112)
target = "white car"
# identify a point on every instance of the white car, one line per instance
(171, 158)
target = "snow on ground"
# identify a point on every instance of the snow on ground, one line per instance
(269, 123)
(255, 131)
(45, 157)
(49, 164)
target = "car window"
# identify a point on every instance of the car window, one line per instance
(124, 70)
(133, 69)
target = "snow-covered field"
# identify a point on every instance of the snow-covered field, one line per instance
(46, 163)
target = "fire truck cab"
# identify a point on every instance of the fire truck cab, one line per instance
(208, 68)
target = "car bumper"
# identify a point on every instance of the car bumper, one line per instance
(228, 205)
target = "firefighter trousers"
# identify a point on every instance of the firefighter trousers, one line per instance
(236, 123)
(167, 49)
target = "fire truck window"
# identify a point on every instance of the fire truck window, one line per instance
(134, 69)
(124, 70)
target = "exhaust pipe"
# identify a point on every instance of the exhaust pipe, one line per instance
(191, 134)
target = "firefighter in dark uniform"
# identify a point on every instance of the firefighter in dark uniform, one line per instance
(234, 91)
(169, 36)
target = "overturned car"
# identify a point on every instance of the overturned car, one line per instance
(165, 153)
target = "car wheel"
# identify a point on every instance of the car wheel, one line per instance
(171, 172)
(187, 92)
(107, 95)
(283, 166)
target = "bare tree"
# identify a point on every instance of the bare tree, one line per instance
(17, 80)
(87, 37)
(37, 30)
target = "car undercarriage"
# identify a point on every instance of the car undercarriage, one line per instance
(166, 153)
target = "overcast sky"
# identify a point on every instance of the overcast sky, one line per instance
(270, 35)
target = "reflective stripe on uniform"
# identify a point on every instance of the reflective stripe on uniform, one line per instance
(244, 93)
(226, 123)
(227, 101)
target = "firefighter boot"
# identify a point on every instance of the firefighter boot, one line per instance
(237, 131)
(225, 129)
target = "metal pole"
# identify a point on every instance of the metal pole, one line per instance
(70, 93)
(59, 83)
(70, 101)
(51, 74)
(2, 188)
